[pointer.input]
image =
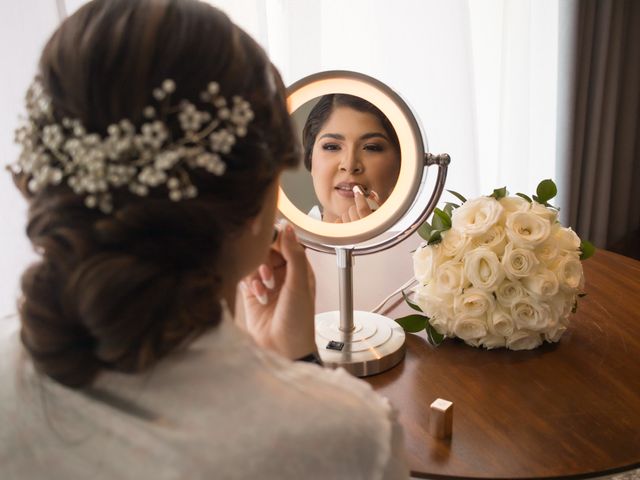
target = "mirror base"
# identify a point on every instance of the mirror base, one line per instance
(376, 344)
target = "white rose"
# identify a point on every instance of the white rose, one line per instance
(547, 252)
(509, 292)
(518, 262)
(526, 229)
(513, 204)
(569, 272)
(476, 216)
(425, 260)
(565, 238)
(473, 302)
(500, 323)
(450, 278)
(524, 340)
(434, 303)
(482, 268)
(543, 283)
(442, 325)
(554, 333)
(495, 239)
(454, 243)
(468, 328)
(492, 341)
(530, 314)
(547, 213)
(562, 304)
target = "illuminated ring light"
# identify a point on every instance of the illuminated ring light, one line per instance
(315, 232)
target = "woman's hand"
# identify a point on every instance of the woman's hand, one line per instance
(279, 299)
(362, 207)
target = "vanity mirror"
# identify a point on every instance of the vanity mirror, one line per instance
(361, 189)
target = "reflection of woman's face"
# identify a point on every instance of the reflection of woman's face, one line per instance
(352, 148)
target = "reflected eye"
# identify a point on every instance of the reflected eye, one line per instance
(373, 147)
(330, 146)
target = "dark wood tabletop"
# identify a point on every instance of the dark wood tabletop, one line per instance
(570, 409)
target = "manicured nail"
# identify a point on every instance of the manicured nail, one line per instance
(269, 282)
(373, 194)
(357, 190)
(263, 299)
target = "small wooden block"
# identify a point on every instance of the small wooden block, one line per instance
(441, 418)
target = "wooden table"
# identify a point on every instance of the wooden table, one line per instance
(570, 409)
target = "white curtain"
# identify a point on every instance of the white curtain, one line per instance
(481, 76)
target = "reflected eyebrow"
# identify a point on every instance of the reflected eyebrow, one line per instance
(337, 136)
(366, 136)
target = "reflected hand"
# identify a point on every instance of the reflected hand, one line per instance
(363, 206)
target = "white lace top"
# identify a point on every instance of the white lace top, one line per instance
(221, 409)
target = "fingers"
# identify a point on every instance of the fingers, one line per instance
(362, 207)
(294, 254)
(254, 289)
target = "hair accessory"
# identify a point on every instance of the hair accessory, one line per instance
(94, 166)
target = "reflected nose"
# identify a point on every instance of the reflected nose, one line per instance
(350, 162)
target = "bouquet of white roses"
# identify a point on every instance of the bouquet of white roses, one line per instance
(497, 271)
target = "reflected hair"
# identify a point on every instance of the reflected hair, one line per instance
(322, 110)
(121, 291)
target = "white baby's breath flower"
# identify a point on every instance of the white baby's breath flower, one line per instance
(477, 216)
(454, 243)
(469, 328)
(526, 229)
(518, 262)
(473, 302)
(482, 268)
(524, 340)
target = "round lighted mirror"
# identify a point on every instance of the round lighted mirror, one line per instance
(360, 189)
(355, 132)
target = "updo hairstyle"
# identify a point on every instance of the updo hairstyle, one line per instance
(120, 291)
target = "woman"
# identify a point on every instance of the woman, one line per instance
(353, 154)
(156, 135)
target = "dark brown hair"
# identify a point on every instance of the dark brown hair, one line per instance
(322, 110)
(120, 291)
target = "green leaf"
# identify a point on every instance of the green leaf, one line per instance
(457, 195)
(526, 197)
(425, 230)
(446, 219)
(433, 336)
(410, 303)
(546, 190)
(448, 208)
(586, 249)
(499, 193)
(436, 237)
(413, 323)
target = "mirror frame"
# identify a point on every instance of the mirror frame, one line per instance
(326, 236)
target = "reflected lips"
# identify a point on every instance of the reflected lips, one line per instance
(345, 189)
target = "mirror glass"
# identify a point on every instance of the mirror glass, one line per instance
(356, 135)
(349, 146)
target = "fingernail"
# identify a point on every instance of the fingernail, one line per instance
(263, 299)
(357, 190)
(289, 231)
(243, 286)
(375, 195)
(269, 282)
